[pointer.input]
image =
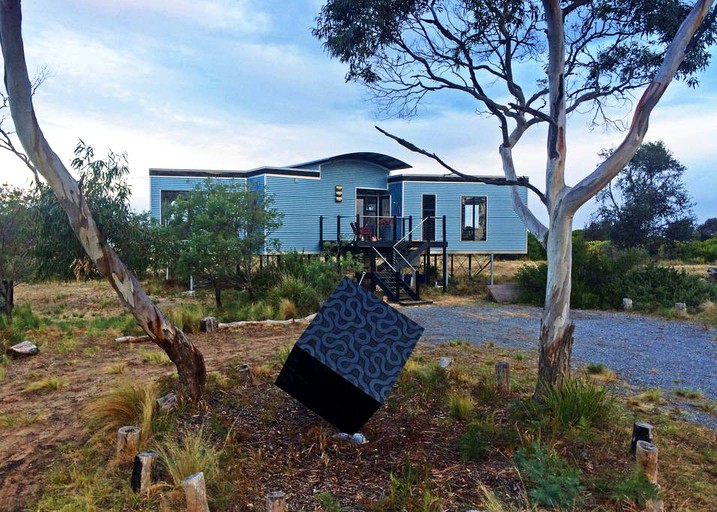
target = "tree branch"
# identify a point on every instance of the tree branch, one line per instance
(521, 182)
(610, 168)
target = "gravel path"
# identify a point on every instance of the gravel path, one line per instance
(643, 351)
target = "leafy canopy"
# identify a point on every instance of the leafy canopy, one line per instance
(217, 228)
(648, 204)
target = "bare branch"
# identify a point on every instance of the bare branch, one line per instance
(522, 182)
(607, 170)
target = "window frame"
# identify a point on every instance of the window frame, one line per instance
(461, 217)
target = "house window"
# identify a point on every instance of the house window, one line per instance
(473, 218)
(167, 198)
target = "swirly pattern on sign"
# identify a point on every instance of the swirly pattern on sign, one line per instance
(361, 338)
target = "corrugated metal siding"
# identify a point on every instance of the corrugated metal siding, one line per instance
(159, 183)
(396, 191)
(506, 233)
(303, 201)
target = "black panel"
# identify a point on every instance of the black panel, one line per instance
(325, 392)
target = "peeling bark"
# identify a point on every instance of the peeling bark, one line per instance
(187, 358)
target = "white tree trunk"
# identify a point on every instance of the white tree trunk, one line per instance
(556, 327)
(187, 358)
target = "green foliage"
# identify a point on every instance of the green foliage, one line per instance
(652, 286)
(216, 229)
(698, 251)
(125, 324)
(461, 406)
(536, 252)
(187, 317)
(648, 206)
(477, 440)
(105, 187)
(596, 368)
(23, 320)
(578, 403)
(410, 490)
(635, 490)
(597, 275)
(551, 481)
(328, 502)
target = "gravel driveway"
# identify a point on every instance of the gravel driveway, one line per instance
(644, 351)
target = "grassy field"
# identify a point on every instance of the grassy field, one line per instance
(445, 440)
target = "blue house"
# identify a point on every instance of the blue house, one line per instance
(353, 202)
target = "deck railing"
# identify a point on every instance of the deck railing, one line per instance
(375, 228)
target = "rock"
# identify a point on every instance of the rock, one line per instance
(627, 304)
(445, 362)
(504, 292)
(24, 349)
(208, 324)
(680, 306)
(167, 402)
(357, 438)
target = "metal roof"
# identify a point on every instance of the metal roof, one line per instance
(389, 162)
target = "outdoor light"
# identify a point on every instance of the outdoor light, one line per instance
(339, 191)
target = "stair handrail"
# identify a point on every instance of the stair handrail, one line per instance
(403, 258)
(411, 232)
(384, 259)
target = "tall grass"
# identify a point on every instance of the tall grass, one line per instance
(578, 402)
(192, 454)
(128, 403)
(187, 317)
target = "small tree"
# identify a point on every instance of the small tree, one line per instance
(707, 230)
(648, 205)
(217, 230)
(105, 188)
(16, 242)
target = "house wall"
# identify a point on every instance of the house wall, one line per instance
(177, 183)
(396, 191)
(304, 200)
(505, 232)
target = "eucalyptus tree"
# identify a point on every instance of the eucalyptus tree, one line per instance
(187, 358)
(526, 64)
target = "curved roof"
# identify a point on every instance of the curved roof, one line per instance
(389, 162)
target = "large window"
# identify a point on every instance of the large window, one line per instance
(473, 218)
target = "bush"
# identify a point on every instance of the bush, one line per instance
(551, 481)
(474, 444)
(578, 403)
(635, 490)
(652, 286)
(23, 320)
(696, 251)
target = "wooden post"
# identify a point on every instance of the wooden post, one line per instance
(245, 376)
(469, 266)
(445, 257)
(410, 228)
(142, 471)
(502, 377)
(208, 324)
(338, 237)
(195, 491)
(641, 431)
(647, 459)
(127, 440)
(491, 269)
(394, 228)
(276, 502)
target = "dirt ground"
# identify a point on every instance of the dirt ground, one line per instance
(48, 424)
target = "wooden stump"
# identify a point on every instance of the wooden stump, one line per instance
(627, 304)
(167, 402)
(641, 431)
(208, 324)
(142, 471)
(245, 376)
(647, 460)
(127, 440)
(276, 502)
(195, 491)
(502, 377)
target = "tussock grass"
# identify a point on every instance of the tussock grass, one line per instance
(578, 402)
(192, 454)
(689, 393)
(187, 317)
(2, 373)
(47, 384)
(21, 420)
(128, 403)
(287, 309)
(154, 357)
(116, 368)
(461, 406)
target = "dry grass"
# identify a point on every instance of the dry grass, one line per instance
(155, 357)
(47, 384)
(127, 403)
(117, 368)
(192, 454)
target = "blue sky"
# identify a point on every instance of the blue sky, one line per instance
(236, 84)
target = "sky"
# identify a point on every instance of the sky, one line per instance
(238, 84)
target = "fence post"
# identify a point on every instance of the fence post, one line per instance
(338, 238)
(394, 228)
(410, 228)
(321, 232)
(445, 257)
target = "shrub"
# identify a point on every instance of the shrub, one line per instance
(191, 455)
(287, 309)
(551, 481)
(474, 444)
(635, 490)
(187, 317)
(652, 286)
(297, 290)
(125, 324)
(596, 368)
(578, 402)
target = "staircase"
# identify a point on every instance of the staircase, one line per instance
(389, 274)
